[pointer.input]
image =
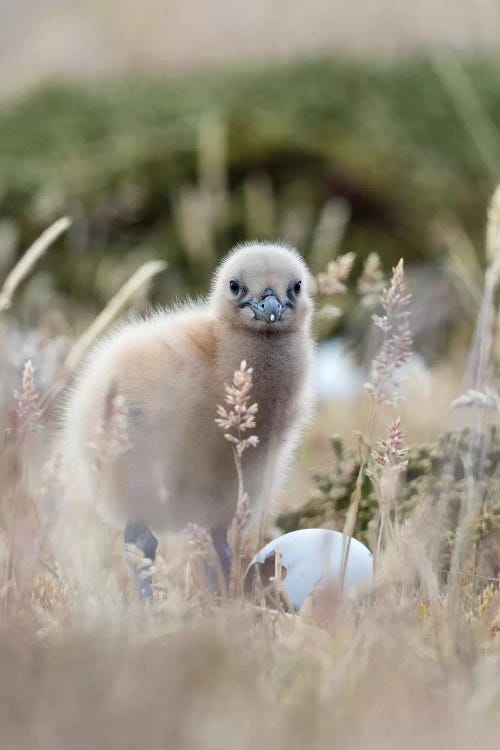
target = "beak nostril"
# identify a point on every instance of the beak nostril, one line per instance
(268, 308)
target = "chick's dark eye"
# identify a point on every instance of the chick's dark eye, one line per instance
(297, 287)
(234, 286)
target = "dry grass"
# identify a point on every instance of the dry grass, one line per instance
(29, 260)
(415, 663)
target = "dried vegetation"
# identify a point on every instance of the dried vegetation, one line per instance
(415, 662)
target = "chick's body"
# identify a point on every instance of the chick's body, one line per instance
(169, 372)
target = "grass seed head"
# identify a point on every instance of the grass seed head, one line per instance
(240, 417)
(334, 279)
(397, 341)
(28, 412)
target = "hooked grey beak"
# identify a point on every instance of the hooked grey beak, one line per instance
(268, 309)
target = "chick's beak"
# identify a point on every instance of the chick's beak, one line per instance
(269, 308)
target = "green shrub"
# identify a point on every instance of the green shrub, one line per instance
(119, 156)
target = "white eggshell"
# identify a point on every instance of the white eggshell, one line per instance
(313, 558)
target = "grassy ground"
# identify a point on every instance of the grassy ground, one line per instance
(180, 171)
(414, 662)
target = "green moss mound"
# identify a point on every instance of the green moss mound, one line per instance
(446, 469)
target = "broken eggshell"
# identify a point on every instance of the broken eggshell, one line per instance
(313, 558)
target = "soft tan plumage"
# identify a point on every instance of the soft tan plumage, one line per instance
(168, 372)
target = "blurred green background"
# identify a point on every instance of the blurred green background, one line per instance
(177, 135)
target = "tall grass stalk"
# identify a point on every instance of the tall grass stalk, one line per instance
(235, 422)
(29, 260)
(480, 379)
(137, 282)
(394, 352)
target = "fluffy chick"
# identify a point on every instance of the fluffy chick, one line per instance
(167, 373)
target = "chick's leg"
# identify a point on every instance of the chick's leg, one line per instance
(141, 537)
(224, 551)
